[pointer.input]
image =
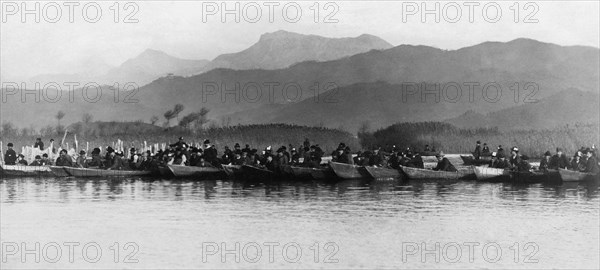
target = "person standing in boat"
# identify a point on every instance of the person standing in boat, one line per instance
(523, 165)
(81, 161)
(477, 152)
(545, 162)
(21, 160)
(37, 161)
(211, 153)
(444, 164)
(591, 165)
(10, 157)
(39, 144)
(64, 159)
(559, 160)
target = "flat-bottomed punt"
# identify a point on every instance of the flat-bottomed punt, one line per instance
(470, 160)
(232, 171)
(575, 176)
(88, 172)
(193, 171)
(465, 173)
(23, 170)
(59, 171)
(380, 173)
(348, 171)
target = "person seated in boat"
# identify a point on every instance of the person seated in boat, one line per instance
(494, 160)
(485, 151)
(576, 164)
(37, 161)
(337, 152)
(394, 160)
(294, 157)
(237, 159)
(345, 156)
(194, 157)
(524, 165)
(203, 163)
(96, 161)
(247, 149)
(46, 160)
(377, 159)
(315, 156)
(81, 161)
(269, 163)
(502, 163)
(227, 156)
(591, 164)
(39, 144)
(10, 157)
(444, 164)
(545, 162)
(514, 158)
(179, 158)
(21, 160)
(143, 162)
(64, 159)
(117, 162)
(477, 152)
(500, 150)
(559, 160)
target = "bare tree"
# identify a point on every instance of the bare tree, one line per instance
(59, 116)
(153, 119)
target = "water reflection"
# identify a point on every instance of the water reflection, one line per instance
(68, 189)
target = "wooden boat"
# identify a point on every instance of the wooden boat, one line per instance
(379, 173)
(491, 174)
(23, 170)
(232, 171)
(59, 171)
(88, 172)
(574, 176)
(164, 171)
(417, 173)
(470, 160)
(347, 171)
(323, 173)
(193, 171)
(258, 174)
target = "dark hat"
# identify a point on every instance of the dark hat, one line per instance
(206, 141)
(39, 139)
(64, 150)
(21, 155)
(499, 146)
(51, 140)
(45, 155)
(558, 149)
(81, 152)
(10, 144)
(484, 143)
(180, 138)
(236, 145)
(478, 142)
(132, 150)
(547, 153)
(38, 157)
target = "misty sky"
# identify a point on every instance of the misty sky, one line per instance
(177, 28)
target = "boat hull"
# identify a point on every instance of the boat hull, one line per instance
(469, 160)
(491, 174)
(347, 171)
(256, 174)
(87, 172)
(193, 171)
(463, 173)
(22, 170)
(574, 176)
(378, 173)
(232, 171)
(59, 171)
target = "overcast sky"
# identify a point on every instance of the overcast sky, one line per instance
(184, 29)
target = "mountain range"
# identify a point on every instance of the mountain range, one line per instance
(373, 85)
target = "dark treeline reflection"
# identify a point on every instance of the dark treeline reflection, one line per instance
(14, 190)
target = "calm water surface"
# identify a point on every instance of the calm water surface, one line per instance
(170, 224)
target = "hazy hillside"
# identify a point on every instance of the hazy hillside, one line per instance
(568, 107)
(281, 49)
(142, 69)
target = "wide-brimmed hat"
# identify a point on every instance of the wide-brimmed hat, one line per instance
(9, 144)
(81, 152)
(547, 153)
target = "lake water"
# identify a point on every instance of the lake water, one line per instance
(169, 224)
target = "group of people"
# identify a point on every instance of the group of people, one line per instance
(584, 160)
(306, 154)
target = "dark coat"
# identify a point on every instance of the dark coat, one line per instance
(477, 152)
(65, 160)
(10, 157)
(591, 165)
(559, 162)
(23, 162)
(445, 165)
(39, 144)
(502, 164)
